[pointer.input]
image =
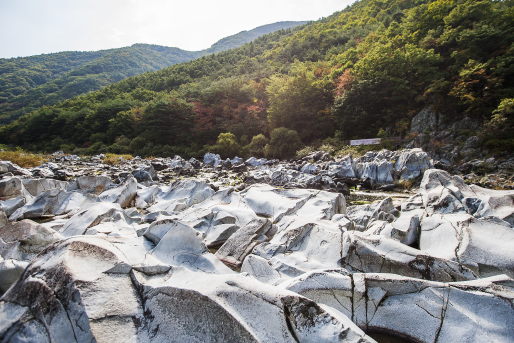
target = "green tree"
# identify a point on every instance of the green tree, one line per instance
(257, 145)
(301, 101)
(227, 145)
(283, 143)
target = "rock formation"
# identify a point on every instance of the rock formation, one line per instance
(134, 257)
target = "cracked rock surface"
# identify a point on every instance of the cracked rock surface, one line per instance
(141, 258)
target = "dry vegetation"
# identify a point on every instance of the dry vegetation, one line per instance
(113, 159)
(23, 159)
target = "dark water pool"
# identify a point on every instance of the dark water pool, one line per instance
(381, 337)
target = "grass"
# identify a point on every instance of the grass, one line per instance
(23, 159)
(113, 159)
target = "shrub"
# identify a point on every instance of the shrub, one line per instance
(23, 159)
(113, 159)
(304, 151)
(227, 145)
(283, 143)
(257, 145)
(137, 144)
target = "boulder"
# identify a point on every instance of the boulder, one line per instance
(25, 239)
(123, 194)
(483, 245)
(45, 204)
(180, 195)
(242, 242)
(412, 164)
(218, 217)
(237, 160)
(38, 186)
(379, 254)
(87, 217)
(428, 311)
(211, 160)
(310, 168)
(103, 297)
(10, 188)
(92, 184)
(254, 162)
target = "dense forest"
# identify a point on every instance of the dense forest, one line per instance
(28, 83)
(360, 73)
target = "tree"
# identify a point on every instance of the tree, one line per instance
(301, 101)
(227, 145)
(283, 143)
(257, 145)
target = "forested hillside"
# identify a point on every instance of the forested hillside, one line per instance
(362, 72)
(27, 83)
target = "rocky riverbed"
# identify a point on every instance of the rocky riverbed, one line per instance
(170, 250)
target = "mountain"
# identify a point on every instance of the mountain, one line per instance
(27, 83)
(363, 72)
(243, 37)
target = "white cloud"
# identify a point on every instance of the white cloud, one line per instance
(32, 27)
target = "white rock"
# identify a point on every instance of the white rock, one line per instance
(88, 216)
(122, 194)
(379, 254)
(483, 245)
(181, 195)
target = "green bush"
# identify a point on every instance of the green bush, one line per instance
(227, 145)
(283, 143)
(257, 145)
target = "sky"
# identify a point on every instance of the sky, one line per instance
(33, 27)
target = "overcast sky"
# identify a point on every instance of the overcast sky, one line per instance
(32, 27)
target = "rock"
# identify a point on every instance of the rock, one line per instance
(10, 271)
(211, 160)
(146, 196)
(427, 119)
(412, 164)
(405, 229)
(310, 168)
(42, 172)
(242, 242)
(260, 269)
(195, 163)
(10, 206)
(74, 201)
(442, 193)
(87, 217)
(483, 245)
(38, 186)
(361, 215)
(159, 165)
(343, 188)
(93, 184)
(176, 162)
(10, 188)
(3, 219)
(43, 205)
(123, 194)
(180, 195)
(379, 254)
(218, 217)
(237, 160)
(142, 175)
(254, 162)
(471, 143)
(302, 244)
(379, 301)
(378, 171)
